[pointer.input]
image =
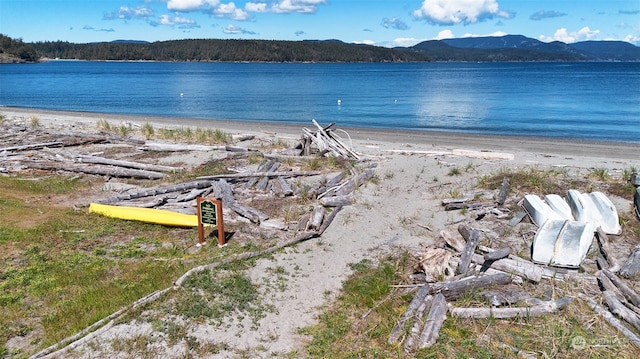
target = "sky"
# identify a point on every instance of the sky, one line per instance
(386, 23)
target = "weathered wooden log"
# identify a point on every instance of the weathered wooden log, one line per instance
(355, 182)
(34, 146)
(525, 269)
(435, 318)
(627, 291)
(193, 194)
(615, 322)
(455, 289)
(95, 170)
(467, 253)
(631, 266)
(606, 250)
(262, 183)
(504, 189)
(281, 187)
(399, 327)
(222, 190)
(155, 202)
(262, 167)
(156, 191)
(468, 205)
(548, 307)
(499, 297)
(464, 231)
(616, 307)
(171, 147)
(497, 254)
(606, 284)
(415, 331)
(316, 218)
(464, 199)
(337, 201)
(127, 164)
(454, 242)
(242, 138)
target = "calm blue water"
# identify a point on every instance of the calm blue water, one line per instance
(595, 101)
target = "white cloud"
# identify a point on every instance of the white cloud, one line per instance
(181, 22)
(299, 6)
(231, 11)
(234, 30)
(406, 41)
(190, 5)
(450, 12)
(496, 34)
(444, 34)
(563, 35)
(365, 42)
(255, 7)
(126, 13)
(394, 23)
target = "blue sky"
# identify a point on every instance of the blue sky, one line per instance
(377, 22)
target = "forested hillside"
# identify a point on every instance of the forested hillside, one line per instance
(12, 51)
(228, 50)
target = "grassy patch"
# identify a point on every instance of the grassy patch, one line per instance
(358, 323)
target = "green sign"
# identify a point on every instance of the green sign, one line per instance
(208, 212)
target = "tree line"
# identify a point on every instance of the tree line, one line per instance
(15, 50)
(213, 50)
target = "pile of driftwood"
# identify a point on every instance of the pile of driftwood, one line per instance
(468, 266)
(47, 149)
(325, 141)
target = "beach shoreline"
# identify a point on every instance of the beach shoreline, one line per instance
(482, 142)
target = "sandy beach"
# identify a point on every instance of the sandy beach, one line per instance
(414, 176)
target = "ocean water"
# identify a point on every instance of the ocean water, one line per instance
(592, 101)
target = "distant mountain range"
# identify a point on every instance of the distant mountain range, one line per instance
(472, 49)
(522, 48)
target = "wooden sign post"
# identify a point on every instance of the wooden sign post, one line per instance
(210, 212)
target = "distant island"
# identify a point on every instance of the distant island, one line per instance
(507, 48)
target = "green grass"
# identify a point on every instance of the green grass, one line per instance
(357, 324)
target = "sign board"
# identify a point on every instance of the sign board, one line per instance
(210, 213)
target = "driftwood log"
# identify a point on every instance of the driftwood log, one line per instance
(468, 251)
(504, 189)
(127, 164)
(96, 170)
(454, 242)
(607, 251)
(415, 331)
(619, 309)
(611, 319)
(415, 303)
(631, 266)
(501, 313)
(456, 289)
(156, 191)
(435, 318)
(627, 291)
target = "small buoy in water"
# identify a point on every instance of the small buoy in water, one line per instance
(339, 102)
(181, 94)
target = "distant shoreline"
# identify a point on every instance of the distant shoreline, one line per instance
(557, 146)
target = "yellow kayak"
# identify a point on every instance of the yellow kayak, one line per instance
(148, 215)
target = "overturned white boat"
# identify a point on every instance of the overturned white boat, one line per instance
(608, 220)
(538, 210)
(559, 205)
(567, 226)
(562, 243)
